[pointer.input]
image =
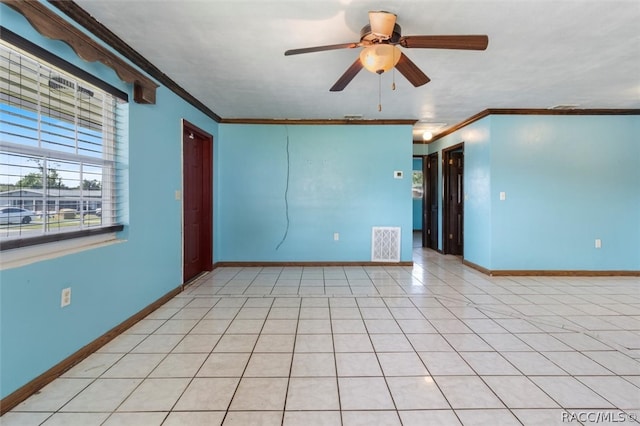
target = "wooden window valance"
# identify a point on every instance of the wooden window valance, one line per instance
(51, 25)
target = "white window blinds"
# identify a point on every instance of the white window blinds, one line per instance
(58, 154)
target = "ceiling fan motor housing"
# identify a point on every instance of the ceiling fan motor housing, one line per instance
(367, 35)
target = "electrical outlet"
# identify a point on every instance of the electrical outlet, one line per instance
(65, 297)
(598, 243)
(336, 236)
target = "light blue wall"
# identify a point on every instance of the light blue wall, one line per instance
(341, 180)
(568, 180)
(477, 184)
(421, 149)
(417, 202)
(109, 284)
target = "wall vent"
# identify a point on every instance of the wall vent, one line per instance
(385, 244)
(563, 107)
(353, 116)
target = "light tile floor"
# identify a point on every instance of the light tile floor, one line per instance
(433, 344)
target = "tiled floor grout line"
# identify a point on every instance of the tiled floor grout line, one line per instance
(335, 360)
(543, 355)
(293, 354)
(395, 298)
(141, 379)
(420, 358)
(378, 361)
(204, 360)
(575, 328)
(169, 353)
(233, 395)
(480, 376)
(474, 370)
(166, 356)
(427, 368)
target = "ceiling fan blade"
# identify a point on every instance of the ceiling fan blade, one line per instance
(347, 76)
(321, 48)
(463, 42)
(411, 71)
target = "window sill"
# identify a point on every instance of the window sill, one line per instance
(22, 255)
(57, 236)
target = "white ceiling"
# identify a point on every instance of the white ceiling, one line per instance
(230, 55)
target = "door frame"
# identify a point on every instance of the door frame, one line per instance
(207, 163)
(424, 194)
(428, 198)
(446, 187)
(421, 158)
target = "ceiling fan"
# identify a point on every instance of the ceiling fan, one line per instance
(380, 40)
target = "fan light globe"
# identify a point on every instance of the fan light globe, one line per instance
(380, 58)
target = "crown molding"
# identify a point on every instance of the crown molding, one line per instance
(528, 111)
(83, 18)
(322, 122)
(53, 26)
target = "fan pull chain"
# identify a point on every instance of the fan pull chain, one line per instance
(379, 92)
(393, 72)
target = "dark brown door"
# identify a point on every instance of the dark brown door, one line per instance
(453, 201)
(197, 196)
(430, 209)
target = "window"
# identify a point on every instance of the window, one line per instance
(416, 188)
(58, 152)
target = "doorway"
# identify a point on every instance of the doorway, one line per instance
(417, 193)
(453, 206)
(430, 206)
(197, 185)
